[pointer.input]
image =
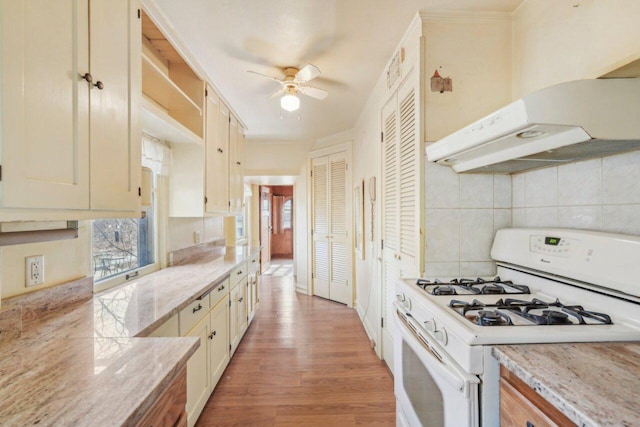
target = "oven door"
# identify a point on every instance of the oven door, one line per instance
(431, 389)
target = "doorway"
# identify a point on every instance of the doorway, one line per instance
(276, 223)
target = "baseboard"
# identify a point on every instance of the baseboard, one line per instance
(301, 289)
(369, 329)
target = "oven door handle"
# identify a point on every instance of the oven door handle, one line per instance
(437, 358)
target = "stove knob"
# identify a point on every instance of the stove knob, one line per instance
(430, 325)
(441, 336)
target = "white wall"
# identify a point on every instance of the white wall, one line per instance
(268, 158)
(554, 41)
(300, 229)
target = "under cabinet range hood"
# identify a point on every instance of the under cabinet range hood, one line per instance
(559, 124)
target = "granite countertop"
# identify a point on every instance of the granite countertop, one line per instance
(593, 384)
(89, 362)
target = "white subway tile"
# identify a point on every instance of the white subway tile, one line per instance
(580, 183)
(541, 217)
(501, 191)
(435, 270)
(584, 217)
(476, 191)
(442, 235)
(621, 178)
(621, 219)
(501, 219)
(476, 269)
(517, 190)
(476, 234)
(541, 187)
(442, 186)
(518, 217)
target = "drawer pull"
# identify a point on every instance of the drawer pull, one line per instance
(239, 272)
(198, 308)
(213, 334)
(220, 288)
(253, 260)
(240, 300)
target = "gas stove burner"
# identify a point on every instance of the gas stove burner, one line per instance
(493, 289)
(443, 290)
(492, 318)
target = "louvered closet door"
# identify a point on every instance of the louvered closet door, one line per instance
(320, 255)
(338, 244)
(409, 176)
(390, 222)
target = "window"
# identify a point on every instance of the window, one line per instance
(241, 231)
(121, 245)
(286, 214)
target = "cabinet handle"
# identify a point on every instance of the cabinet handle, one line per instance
(220, 288)
(88, 77)
(99, 85)
(198, 308)
(238, 163)
(239, 272)
(240, 300)
(213, 334)
(220, 150)
(253, 260)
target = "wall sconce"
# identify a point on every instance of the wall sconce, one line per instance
(439, 84)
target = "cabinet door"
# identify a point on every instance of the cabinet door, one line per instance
(339, 252)
(242, 306)
(197, 374)
(234, 326)
(219, 341)
(45, 104)
(115, 137)
(235, 180)
(217, 157)
(320, 230)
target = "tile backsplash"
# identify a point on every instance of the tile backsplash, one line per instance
(599, 194)
(463, 211)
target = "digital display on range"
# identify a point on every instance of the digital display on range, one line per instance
(552, 241)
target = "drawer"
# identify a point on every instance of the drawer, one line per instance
(237, 274)
(218, 293)
(254, 262)
(191, 314)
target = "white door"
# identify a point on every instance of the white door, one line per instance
(390, 223)
(115, 95)
(331, 244)
(403, 201)
(45, 104)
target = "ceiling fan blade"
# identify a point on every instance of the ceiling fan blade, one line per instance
(307, 73)
(313, 92)
(277, 93)
(265, 76)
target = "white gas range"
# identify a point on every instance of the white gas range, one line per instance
(553, 285)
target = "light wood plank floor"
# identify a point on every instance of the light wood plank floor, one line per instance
(304, 361)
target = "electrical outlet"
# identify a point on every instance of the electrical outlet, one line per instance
(35, 270)
(196, 237)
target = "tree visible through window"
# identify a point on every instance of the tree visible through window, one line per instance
(121, 245)
(286, 214)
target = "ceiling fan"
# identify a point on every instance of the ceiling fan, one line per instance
(293, 84)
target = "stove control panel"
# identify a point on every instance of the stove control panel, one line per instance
(550, 245)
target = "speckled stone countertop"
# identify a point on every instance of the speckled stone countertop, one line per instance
(593, 384)
(87, 363)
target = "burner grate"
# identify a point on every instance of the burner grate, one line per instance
(478, 286)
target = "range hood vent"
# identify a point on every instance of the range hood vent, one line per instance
(560, 124)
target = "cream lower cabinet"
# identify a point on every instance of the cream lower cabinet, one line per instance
(218, 341)
(198, 372)
(238, 321)
(70, 131)
(252, 287)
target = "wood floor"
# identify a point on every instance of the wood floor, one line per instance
(304, 361)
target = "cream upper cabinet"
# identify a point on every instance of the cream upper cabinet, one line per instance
(115, 105)
(64, 138)
(235, 178)
(45, 104)
(217, 155)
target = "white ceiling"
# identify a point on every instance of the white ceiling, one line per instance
(349, 40)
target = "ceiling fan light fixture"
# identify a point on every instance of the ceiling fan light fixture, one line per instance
(290, 101)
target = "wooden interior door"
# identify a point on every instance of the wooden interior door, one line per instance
(265, 228)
